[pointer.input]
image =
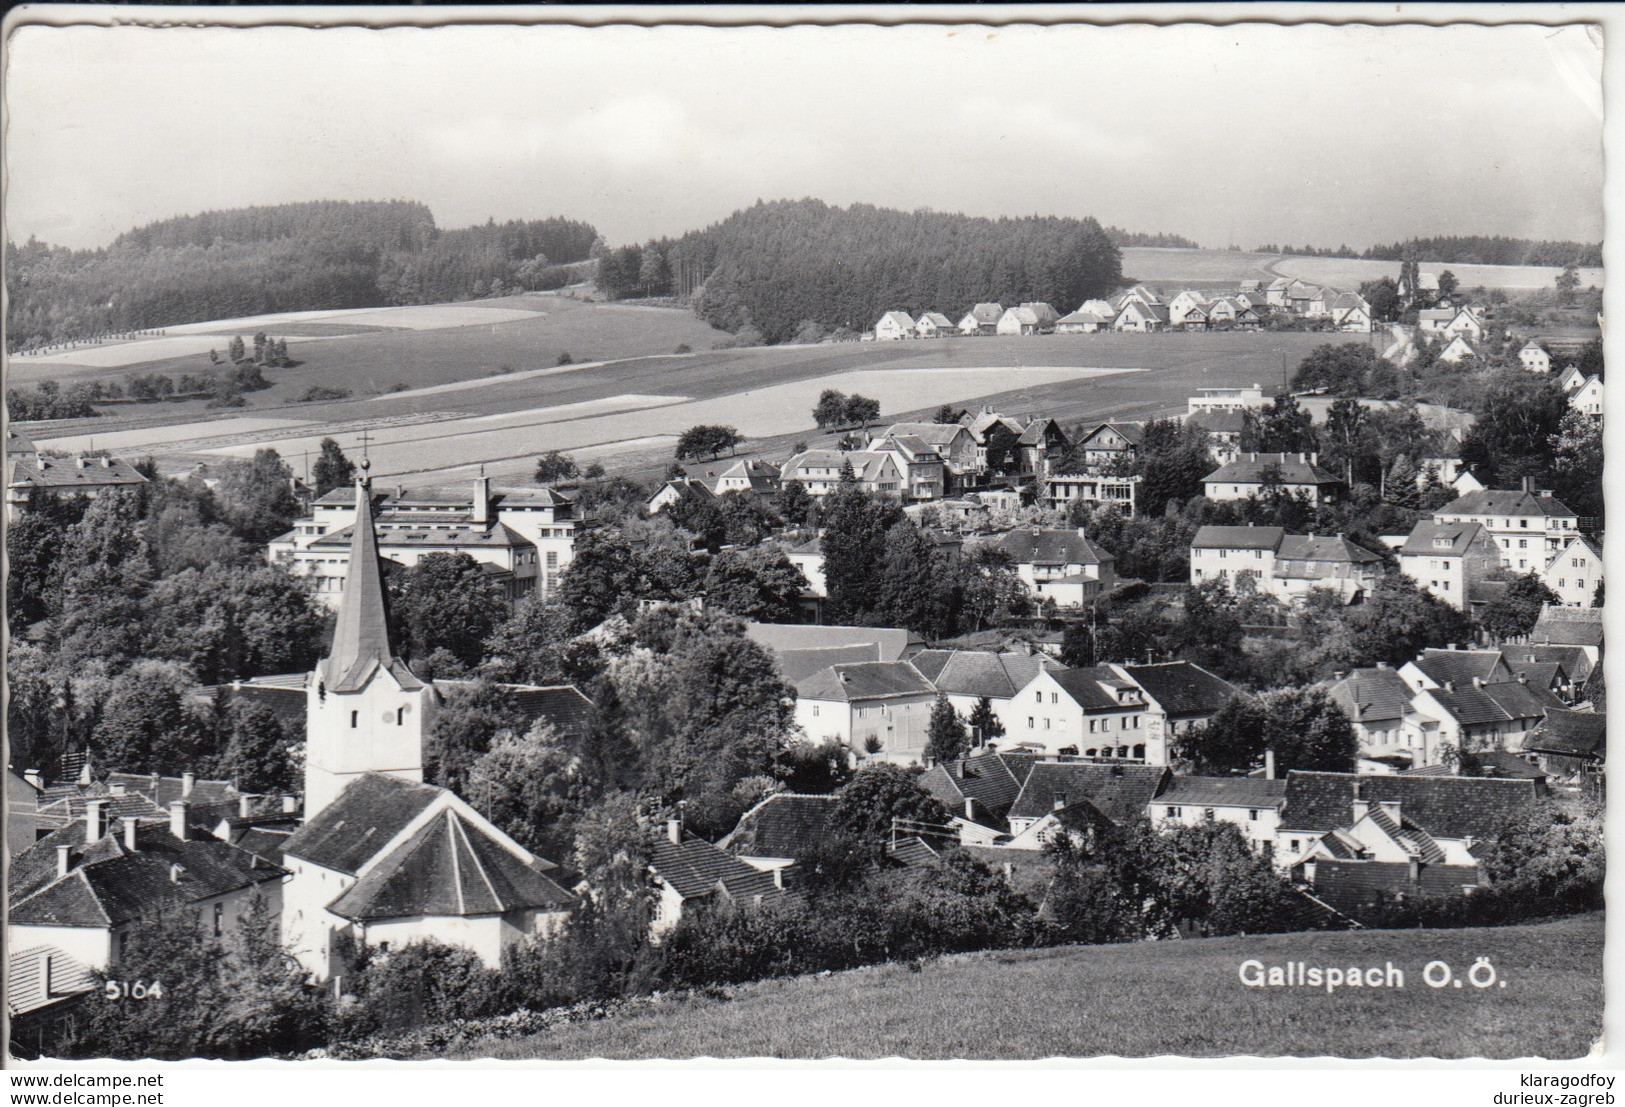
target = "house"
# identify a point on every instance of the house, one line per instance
(1062, 490)
(1436, 668)
(1481, 716)
(1535, 358)
(967, 677)
(1188, 310)
(1228, 553)
(1035, 318)
(1283, 565)
(1570, 626)
(526, 537)
(802, 650)
(27, 470)
(1356, 839)
(894, 325)
(1224, 429)
(44, 988)
(1090, 712)
(934, 324)
(1208, 401)
(808, 557)
(874, 708)
(1306, 299)
(1575, 572)
(1530, 527)
(84, 888)
(1041, 445)
(1075, 796)
(780, 830)
(1182, 693)
(1571, 378)
(1572, 660)
(998, 441)
(1458, 349)
(1083, 321)
(980, 790)
(982, 319)
(751, 475)
(1377, 701)
(1275, 292)
(1465, 323)
(1350, 313)
(1447, 560)
(1252, 804)
(690, 874)
(1586, 397)
(953, 442)
(674, 492)
(819, 471)
(1109, 442)
(1136, 317)
(925, 474)
(1434, 320)
(1060, 565)
(1568, 743)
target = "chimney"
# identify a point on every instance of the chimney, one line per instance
(95, 820)
(33, 777)
(1361, 808)
(1414, 871)
(1449, 686)
(1382, 664)
(187, 780)
(80, 461)
(1060, 800)
(970, 809)
(129, 822)
(1269, 764)
(1478, 682)
(290, 804)
(177, 819)
(674, 826)
(245, 806)
(64, 860)
(482, 499)
(1390, 808)
(1529, 484)
(117, 787)
(1523, 678)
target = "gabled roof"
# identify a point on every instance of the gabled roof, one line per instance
(869, 680)
(785, 824)
(1131, 433)
(1568, 626)
(1219, 422)
(981, 672)
(1183, 690)
(361, 636)
(1044, 546)
(1093, 688)
(1504, 502)
(1294, 469)
(867, 465)
(1506, 701)
(1569, 733)
(1460, 667)
(1373, 695)
(1081, 316)
(696, 869)
(899, 318)
(936, 319)
(562, 705)
(888, 643)
(450, 867)
(1237, 538)
(1573, 659)
(913, 852)
(986, 313)
(1310, 547)
(1223, 791)
(1452, 807)
(992, 780)
(1426, 535)
(1120, 792)
(349, 832)
(65, 474)
(936, 434)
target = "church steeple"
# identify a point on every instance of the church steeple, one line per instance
(361, 638)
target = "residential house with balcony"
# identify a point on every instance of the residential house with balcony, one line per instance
(1110, 443)
(819, 471)
(1062, 490)
(925, 474)
(1059, 565)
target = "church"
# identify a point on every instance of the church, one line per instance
(382, 858)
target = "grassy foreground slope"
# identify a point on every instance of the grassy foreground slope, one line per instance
(1180, 998)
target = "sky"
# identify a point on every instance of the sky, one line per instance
(1227, 135)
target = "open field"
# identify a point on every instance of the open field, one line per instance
(1144, 263)
(630, 410)
(1142, 1000)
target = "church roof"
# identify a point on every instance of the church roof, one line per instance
(361, 638)
(349, 832)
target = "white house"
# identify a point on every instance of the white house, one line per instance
(1250, 475)
(1447, 559)
(1535, 358)
(1283, 565)
(1062, 490)
(1457, 349)
(819, 471)
(1249, 803)
(1209, 401)
(1035, 318)
(894, 325)
(690, 872)
(1091, 712)
(1137, 317)
(1586, 397)
(1575, 573)
(934, 324)
(982, 319)
(1530, 527)
(875, 708)
(1062, 565)
(1083, 321)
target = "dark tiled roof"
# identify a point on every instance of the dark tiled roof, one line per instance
(782, 825)
(696, 869)
(1237, 538)
(1492, 703)
(1251, 469)
(1570, 733)
(1373, 695)
(563, 705)
(165, 790)
(1426, 535)
(981, 672)
(1035, 545)
(1503, 763)
(286, 703)
(1309, 547)
(1495, 501)
(1182, 689)
(66, 474)
(864, 681)
(889, 643)
(450, 868)
(1120, 792)
(1219, 422)
(1223, 791)
(1084, 686)
(1459, 667)
(350, 831)
(992, 780)
(798, 665)
(1447, 806)
(1350, 885)
(1568, 626)
(913, 853)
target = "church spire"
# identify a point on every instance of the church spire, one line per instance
(361, 638)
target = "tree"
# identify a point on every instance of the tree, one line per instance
(706, 440)
(1279, 427)
(149, 723)
(854, 545)
(945, 734)
(464, 728)
(1347, 440)
(985, 724)
(830, 410)
(1514, 613)
(1448, 283)
(1343, 369)
(908, 587)
(332, 469)
(447, 601)
(1304, 728)
(258, 751)
(758, 584)
(860, 409)
(945, 414)
(230, 622)
(1517, 419)
(256, 495)
(1548, 846)
(878, 793)
(1567, 283)
(1383, 296)
(236, 350)
(533, 786)
(555, 466)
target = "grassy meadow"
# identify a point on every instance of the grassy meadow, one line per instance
(1218, 267)
(1143, 1000)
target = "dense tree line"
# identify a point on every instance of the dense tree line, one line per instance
(285, 257)
(777, 266)
(1122, 238)
(1462, 250)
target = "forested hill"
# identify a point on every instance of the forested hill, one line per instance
(778, 267)
(1478, 249)
(285, 257)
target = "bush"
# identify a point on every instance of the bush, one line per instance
(319, 392)
(424, 982)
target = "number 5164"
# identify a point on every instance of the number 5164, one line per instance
(133, 989)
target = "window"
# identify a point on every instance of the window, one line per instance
(815, 711)
(1091, 726)
(355, 719)
(219, 919)
(1252, 815)
(1029, 722)
(1046, 724)
(400, 716)
(1173, 812)
(1294, 845)
(1039, 696)
(1524, 523)
(1054, 697)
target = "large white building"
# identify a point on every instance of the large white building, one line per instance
(1529, 527)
